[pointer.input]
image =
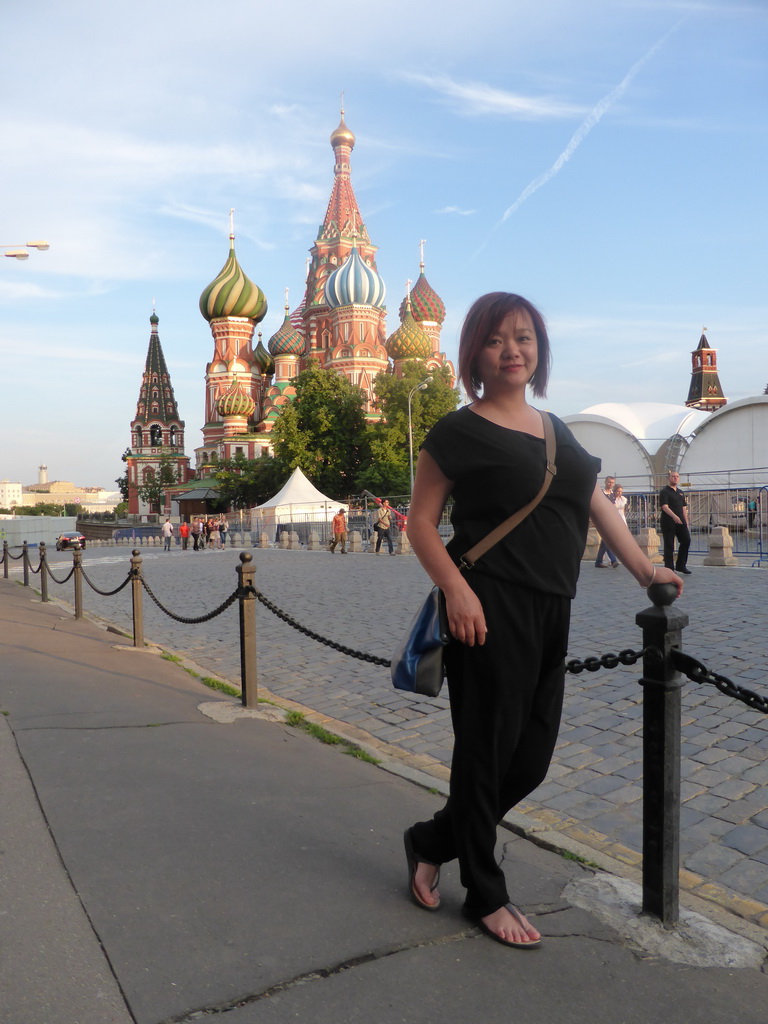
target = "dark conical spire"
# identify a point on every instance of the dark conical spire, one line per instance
(705, 391)
(156, 399)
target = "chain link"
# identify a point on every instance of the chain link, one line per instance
(699, 673)
(15, 557)
(593, 663)
(67, 577)
(180, 618)
(107, 593)
(360, 655)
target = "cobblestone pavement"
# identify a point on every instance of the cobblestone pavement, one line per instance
(594, 787)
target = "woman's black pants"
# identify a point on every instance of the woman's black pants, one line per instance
(506, 700)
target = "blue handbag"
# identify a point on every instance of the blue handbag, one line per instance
(417, 665)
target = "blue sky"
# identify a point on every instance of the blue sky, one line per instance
(606, 159)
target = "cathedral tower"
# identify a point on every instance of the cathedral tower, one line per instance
(156, 430)
(236, 378)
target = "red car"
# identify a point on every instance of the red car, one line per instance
(70, 540)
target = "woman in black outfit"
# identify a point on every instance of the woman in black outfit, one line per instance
(509, 615)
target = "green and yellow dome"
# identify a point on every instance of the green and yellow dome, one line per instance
(235, 401)
(410, 340)
(232, 293)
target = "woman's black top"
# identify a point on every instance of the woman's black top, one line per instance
(495, 471)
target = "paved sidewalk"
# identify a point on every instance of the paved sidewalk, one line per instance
(159, 866)
(593, 791)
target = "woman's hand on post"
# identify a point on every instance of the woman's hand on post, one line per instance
(664, 575)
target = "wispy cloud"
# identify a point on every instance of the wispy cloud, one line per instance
(476, 98)
(457, 210)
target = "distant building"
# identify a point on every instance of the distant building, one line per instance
(10, 494)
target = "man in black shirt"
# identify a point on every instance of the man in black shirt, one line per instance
(674, 524)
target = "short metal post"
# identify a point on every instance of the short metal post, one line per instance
(43, 573)
(137, 599)
(77, 561)
(25, 563)
(662, 627)
(6, 559)
(246, 572)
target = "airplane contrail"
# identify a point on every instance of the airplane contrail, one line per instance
(593, 118)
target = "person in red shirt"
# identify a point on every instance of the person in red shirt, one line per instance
(339, 528)
(184, 532)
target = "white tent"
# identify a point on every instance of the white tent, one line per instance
(296, 506)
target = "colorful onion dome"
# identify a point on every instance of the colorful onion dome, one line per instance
(232, 293)
(426, 304)
(235, 401)
(265, 364)
(354, 283)
(286, 341)
(342, 136)
(410, 340)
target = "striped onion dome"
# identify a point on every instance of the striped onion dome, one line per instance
(426, 304)
(286, 341)
(410, 340)
(232, 293)
(354, 283)
(265, 364)
(235, 401)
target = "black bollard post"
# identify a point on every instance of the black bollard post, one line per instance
(662, 627)
(6, 559)
(247, 599)
(43, 574)
(137, 599)
(25, 563)
(77, 561)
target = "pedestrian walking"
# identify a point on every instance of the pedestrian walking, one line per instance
(223, 531)
(509, 613)
(184, 532)
(383, 527)
(339, 530)
(167, 532)
(604, 550)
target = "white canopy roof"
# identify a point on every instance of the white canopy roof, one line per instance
(299, 497)
(651, 423)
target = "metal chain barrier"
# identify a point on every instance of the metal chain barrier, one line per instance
(593, 663)
(180, 618)
(106, 593)
(16, 558)
(360, 655)
(699, 673)
(69, 575)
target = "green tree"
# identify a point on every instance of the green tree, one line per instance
(153, 491)
(323, 432)
(244, 482)
(389, 469)
(122, 481)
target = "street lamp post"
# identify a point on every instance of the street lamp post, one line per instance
(417, 387)
(19, 252)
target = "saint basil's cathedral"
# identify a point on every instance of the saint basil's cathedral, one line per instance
(339, 325)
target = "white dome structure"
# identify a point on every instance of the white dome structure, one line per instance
(730, 447)
(638, 442)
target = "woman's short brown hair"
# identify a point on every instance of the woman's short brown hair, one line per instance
(484, 317)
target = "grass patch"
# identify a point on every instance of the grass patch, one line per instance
(217, 684)
(567, 855)
(209, 681)
(299, 721)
